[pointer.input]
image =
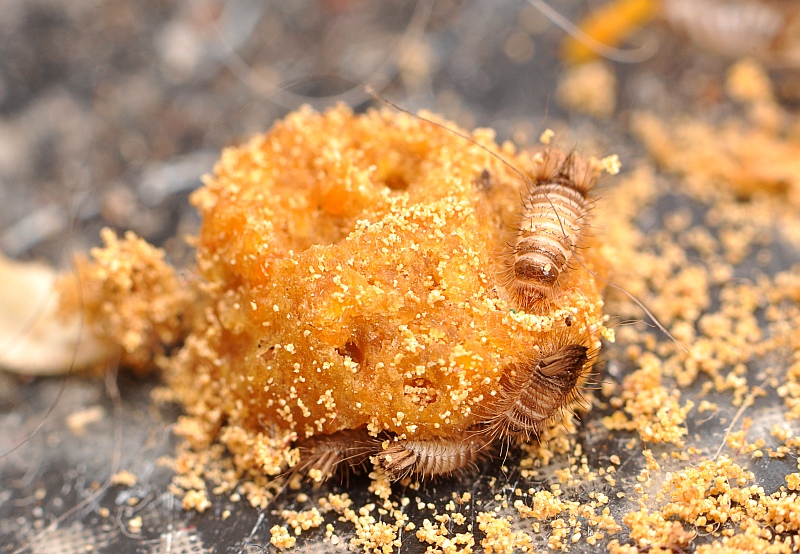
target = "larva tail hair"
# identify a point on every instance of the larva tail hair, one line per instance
(335, 455)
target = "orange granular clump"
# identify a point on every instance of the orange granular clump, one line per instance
(352, 266)
(131, 298)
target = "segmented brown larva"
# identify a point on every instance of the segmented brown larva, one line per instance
(534, 391)
(552, 226)
(325, 456)
(431, 458)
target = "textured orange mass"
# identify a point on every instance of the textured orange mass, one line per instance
(352, 266)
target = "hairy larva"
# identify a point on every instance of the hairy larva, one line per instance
(552, 225)
(431, 458)
(326, 456)
(535, 390)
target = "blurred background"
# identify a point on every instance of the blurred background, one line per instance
(113, 110)
(110, 113)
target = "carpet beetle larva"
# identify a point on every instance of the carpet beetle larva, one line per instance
(325, 456)
(552, 225)
(535, 390)
(431, 458)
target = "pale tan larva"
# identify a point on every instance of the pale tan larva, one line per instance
(535, 390)
(737, 29)
(337, 454)
(431, 458)
(552, 225)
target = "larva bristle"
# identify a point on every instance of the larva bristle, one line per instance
(534, 391)
(552, 225)
(431, 458)
(565, 168)
(326, 456)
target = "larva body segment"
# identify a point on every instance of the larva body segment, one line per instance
(431, 458)
(325, 456)
(552, 225)
(534, 391)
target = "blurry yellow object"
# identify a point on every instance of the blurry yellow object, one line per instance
(589, 88)
(609, 25)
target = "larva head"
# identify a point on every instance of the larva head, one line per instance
(535, 270)
(401, 459)
(532, 282)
